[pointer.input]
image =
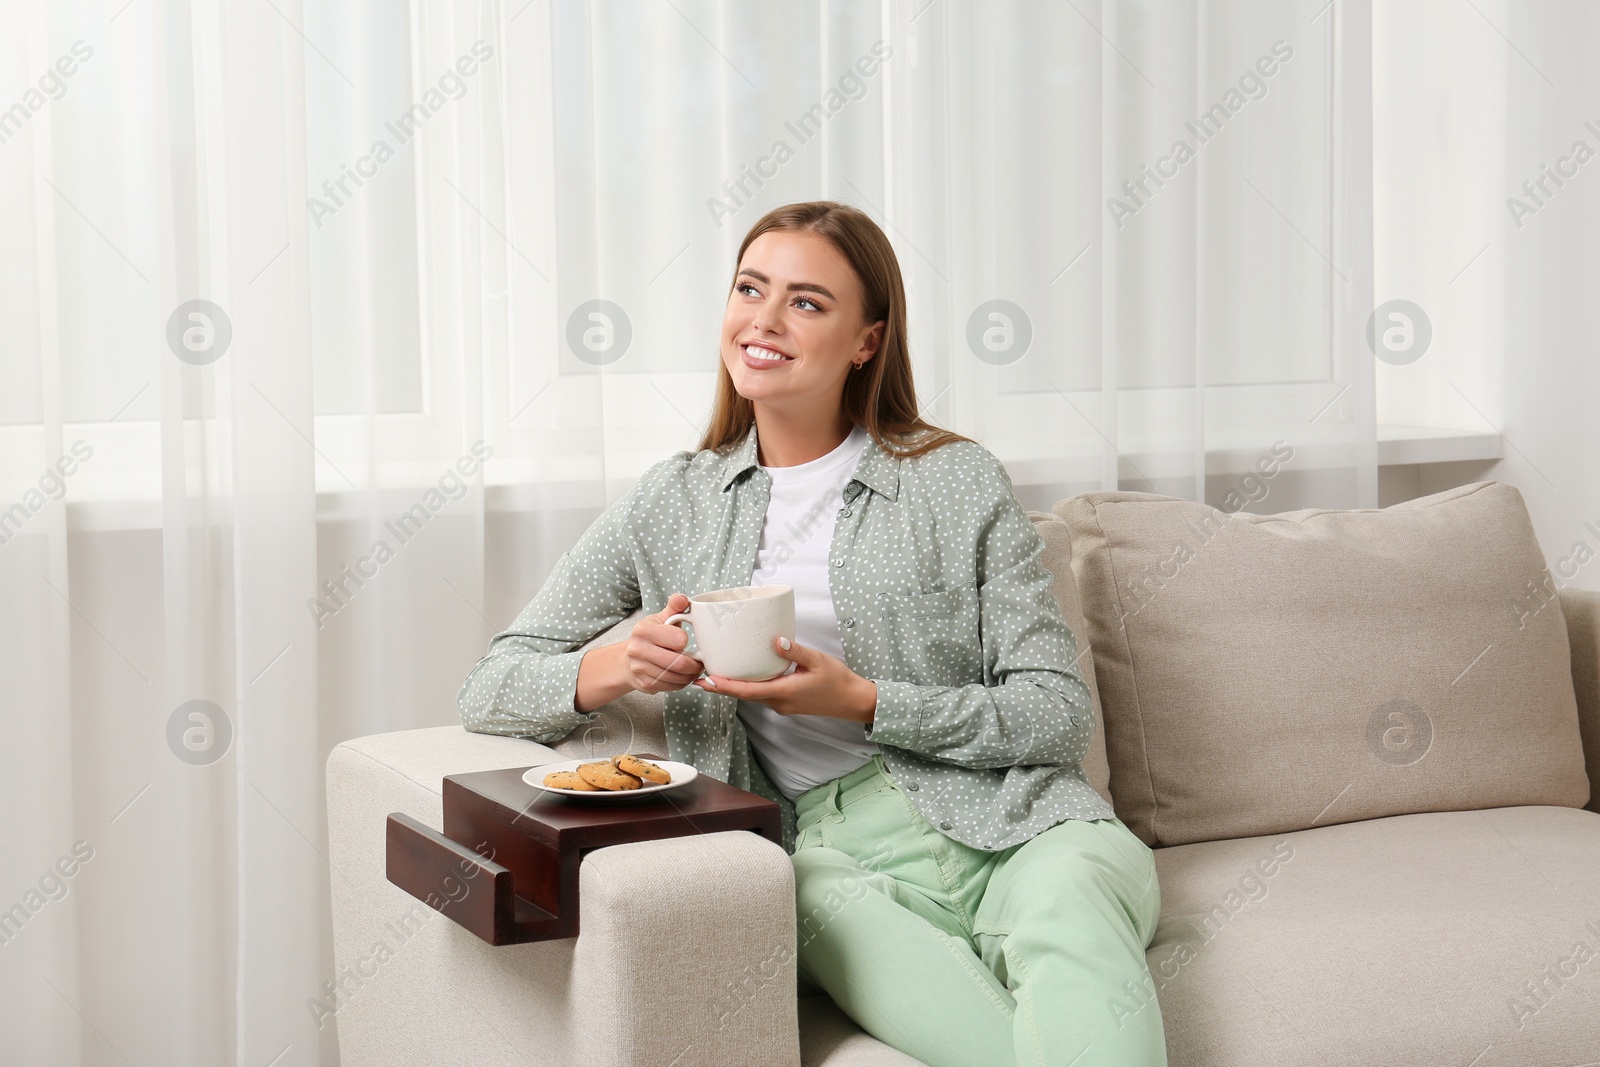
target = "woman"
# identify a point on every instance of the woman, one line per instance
(962, 892)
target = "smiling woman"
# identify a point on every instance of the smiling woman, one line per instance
(934, 706)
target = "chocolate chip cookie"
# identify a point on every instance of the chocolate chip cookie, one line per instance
(604, 774)
(568, 780)
(642, 768)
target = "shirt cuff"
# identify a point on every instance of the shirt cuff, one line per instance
(558, 685)
(897, 716)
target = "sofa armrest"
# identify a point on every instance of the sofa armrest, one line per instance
(1581, 608)
(688, 948)
(686, 953)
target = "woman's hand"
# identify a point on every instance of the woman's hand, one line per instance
(653, 660)
(820, 684)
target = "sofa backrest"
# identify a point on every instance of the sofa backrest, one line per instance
(1260, 674)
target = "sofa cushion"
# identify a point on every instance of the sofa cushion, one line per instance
(1057, 558)
(1267, 673)
(1459, 938)
(830, 1038)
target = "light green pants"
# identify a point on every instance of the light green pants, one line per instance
(966, 958)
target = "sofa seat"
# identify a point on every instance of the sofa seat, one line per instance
(1403, 940)
(830, 1038)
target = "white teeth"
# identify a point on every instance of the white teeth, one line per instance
(757, 352)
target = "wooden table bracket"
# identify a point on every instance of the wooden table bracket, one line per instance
(506, 865)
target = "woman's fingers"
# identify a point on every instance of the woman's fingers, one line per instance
(659, 633)
(659, 681)
(669, 667)
(678, 662)
(675, 603)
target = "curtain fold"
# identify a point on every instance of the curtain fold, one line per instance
(327, 329)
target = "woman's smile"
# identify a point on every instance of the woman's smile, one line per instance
(761, 357)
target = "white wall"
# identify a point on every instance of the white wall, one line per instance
(1470, 101)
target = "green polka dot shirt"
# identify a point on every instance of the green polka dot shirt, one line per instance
(941, 598)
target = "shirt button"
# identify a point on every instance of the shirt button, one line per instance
(1073, 719)
(838, 563)
(911, 786)
(850, 622)
(844, 511)
(944, 826)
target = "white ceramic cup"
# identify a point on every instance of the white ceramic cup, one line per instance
(734, 629)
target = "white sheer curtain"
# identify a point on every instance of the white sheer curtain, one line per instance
(463, 267)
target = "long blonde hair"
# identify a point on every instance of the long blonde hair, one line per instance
(881, 396)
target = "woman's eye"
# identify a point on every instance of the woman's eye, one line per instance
(746, 287)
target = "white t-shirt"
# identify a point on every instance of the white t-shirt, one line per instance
(802, 751)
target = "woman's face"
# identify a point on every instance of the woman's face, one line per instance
(797, 297)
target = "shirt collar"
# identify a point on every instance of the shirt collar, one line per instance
(878, 470)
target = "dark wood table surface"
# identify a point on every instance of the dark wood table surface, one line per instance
(506, 866)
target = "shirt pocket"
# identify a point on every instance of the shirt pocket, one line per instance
(934, 638)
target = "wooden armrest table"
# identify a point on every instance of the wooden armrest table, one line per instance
(526, 844)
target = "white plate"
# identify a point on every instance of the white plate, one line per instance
(682, 774)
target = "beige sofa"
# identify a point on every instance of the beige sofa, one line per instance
(1357, 740)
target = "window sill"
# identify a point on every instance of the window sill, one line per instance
(1406, 445)
(123, 504)
(1316, 448)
